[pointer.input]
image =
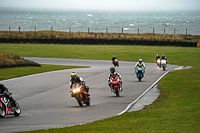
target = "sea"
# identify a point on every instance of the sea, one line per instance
(161, 22)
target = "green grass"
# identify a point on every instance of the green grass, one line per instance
(105, 52)
(176, 110)
(8, 73)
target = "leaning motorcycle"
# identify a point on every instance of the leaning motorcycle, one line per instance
(158, 62)
(163, 64)
(116, 63)
(78, 92)
(8, 108)
(140, 73)
(115, 84)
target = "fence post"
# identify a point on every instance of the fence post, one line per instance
(88, 30)
(138, 31)
(19, 28)
(153, 30)
(164, 30)
(106, 30)
(186, 32)
(174, 30)
(35, 29)
(122, 30)
(69, 30)
(9, 28)
(51, 28)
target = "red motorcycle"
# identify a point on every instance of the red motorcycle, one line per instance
(8, 108)
(80, 94)
(115, 63)
(115, 84)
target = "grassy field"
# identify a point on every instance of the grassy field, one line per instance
(176, 110)
(105, 52)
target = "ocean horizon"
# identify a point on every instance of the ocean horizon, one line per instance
(159, 22)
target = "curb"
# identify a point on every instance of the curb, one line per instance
(131, 104)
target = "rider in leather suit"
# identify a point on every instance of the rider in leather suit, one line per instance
(6, 93)
(77, 79)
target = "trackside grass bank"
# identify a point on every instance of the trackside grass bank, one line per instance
(176, 110)
(8, 73)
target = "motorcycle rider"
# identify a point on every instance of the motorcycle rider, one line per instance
(77, 79)
(157, 57)
(113, 72)
(163, 57)
(140, 64)
(7, 94)
(113, 59)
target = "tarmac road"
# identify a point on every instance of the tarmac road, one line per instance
(46, 102)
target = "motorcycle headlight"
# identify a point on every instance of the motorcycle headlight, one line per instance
(74, 90)
(78, 89)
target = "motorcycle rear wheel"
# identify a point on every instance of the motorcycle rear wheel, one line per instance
(78, 98)
(18, 110)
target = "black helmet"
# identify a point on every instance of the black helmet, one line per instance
(112, 69)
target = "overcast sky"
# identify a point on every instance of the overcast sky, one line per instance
(105, 4)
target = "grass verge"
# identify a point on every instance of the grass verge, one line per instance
(176, 55)
(8, 73)
(86, 35)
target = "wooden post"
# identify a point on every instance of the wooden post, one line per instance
(51, 28)
(174, 31)
(19, 28)
(69, 30)
(122, 30)
(106, 30)
(186, 32)
(164, 30)
(153, 30)
(138, 31)
(88, 30)
(9, 28)
(35, 29)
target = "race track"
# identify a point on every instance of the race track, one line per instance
(46, 102)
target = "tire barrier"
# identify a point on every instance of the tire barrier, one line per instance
(103, 41)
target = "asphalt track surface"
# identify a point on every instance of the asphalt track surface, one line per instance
(46, 102)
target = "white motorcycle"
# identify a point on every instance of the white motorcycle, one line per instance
(163, 64)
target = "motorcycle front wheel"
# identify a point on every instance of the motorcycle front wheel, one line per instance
(78, 98)
(163, 68)
(88, 102)
(117, 91)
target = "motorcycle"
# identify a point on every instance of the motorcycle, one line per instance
(163, 64)
(80, 94)
(8, 108)
(158, 62)
(115, 84)
(140, 73)
(115, 63)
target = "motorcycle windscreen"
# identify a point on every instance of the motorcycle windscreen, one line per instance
(114, 77)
